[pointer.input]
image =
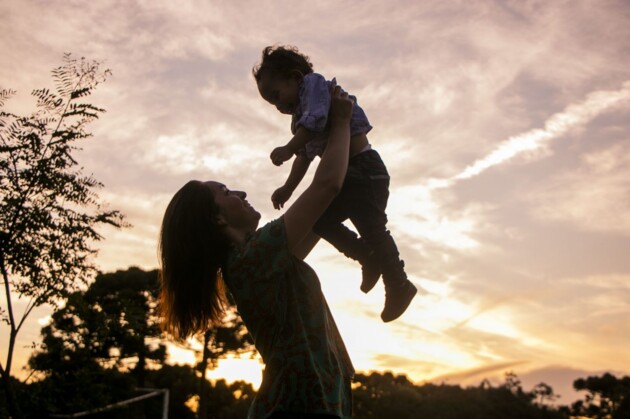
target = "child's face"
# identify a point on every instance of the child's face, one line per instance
(281, 92)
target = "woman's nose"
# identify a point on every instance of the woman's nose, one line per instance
(241, 194)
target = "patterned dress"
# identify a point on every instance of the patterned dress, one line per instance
(279, 297)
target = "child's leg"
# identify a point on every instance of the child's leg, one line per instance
(366, 190)
(344, 240)
(370, 220)
(330, 227)
(369, 198)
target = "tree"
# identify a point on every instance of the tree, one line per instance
(228, 401)
(113, 323)
(513, 384)
(126, 302)
(607, 397)
(110, 326)
(49, 210)
(543, 394)
(231, 337)
(75, 388)
(384, 395)
(181, 380)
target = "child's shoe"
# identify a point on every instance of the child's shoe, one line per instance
(397, 299)
(371, 272)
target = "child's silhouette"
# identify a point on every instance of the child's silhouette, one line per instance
(285, 79)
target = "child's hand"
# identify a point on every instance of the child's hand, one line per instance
(280, 196)
(280, 154)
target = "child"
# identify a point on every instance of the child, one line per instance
(285, 79)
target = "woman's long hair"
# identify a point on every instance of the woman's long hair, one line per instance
(192, 252)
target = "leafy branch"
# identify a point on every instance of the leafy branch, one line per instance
(49, 210)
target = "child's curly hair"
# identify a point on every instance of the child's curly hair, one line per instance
(281, 60)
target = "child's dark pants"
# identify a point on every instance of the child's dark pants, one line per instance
(363, 199)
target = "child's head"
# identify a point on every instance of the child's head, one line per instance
(279, 74)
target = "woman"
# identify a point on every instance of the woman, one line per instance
(209, 235)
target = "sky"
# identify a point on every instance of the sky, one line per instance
(504, 126)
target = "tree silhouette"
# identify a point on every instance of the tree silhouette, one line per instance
(110, 331)
(111, 325)
(607, 397)
(228, 401)
(49, 210)
(181, 380)
(384, 395)
(543, 394)
(230, 338)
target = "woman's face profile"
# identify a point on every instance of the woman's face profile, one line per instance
(234, 209)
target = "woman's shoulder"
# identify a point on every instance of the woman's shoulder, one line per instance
(261, 255)
(270, 238)
(272, 231)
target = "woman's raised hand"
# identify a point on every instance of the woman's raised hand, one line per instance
(340, 104)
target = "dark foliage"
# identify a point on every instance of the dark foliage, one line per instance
(90, 356)
(112, 323)
(110, 326)
(606, 397)
(386, 395)
(49, 210)
(229, 401)
(109, 335)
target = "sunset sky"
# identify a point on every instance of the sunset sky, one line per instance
(504, 126)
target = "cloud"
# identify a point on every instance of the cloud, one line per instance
(609, 282)
(559, 377)
(595, 196)
(556, 126)
(411, 367)
(508, 251)
(478, 373)
(419, 216)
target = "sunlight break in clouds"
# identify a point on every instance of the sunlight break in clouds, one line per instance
(557, 125)
(424, 218)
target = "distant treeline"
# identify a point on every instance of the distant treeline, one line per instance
(104, 343)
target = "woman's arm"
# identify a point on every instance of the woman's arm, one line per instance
(328, 179)
(302, 249)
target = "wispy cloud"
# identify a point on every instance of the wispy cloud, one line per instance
(480, 372)
(593, 196)
(556, 126)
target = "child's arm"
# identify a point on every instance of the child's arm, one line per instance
(298, 170)
(281, 154)
(315, 106)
